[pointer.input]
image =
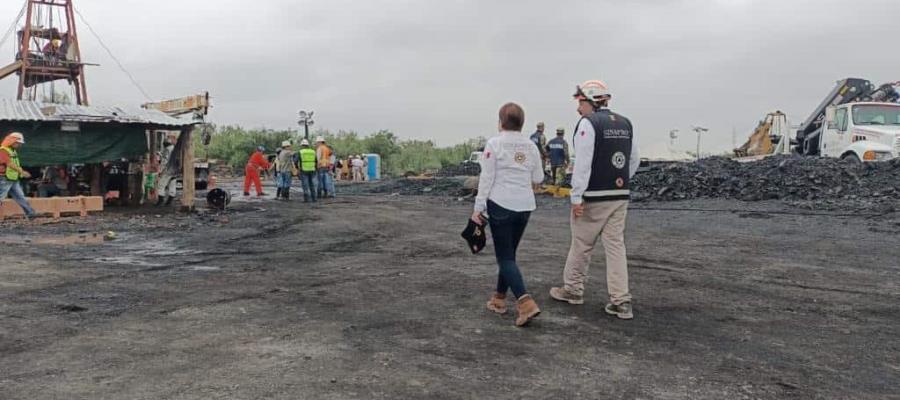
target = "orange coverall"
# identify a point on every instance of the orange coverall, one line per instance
(251, 173)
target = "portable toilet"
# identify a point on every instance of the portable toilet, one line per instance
(374, 171)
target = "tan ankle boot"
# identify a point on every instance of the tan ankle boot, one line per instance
(528, 310)
(497, 303)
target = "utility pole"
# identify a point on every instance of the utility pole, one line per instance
(699, 130)
(306, 119)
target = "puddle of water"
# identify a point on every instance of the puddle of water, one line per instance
(204, 268)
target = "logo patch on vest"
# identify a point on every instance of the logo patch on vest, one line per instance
(520, 157)
(618, 160)
(620, 183)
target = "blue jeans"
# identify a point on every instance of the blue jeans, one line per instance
(284, 180)
(507, 228)
(326, 181)
(308, 179)
(14, 189)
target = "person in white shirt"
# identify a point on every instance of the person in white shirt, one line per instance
(510, 166)
(605, 160)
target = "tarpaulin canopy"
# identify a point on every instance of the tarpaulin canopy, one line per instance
(47, 144)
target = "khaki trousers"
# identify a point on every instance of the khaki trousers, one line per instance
(606, 220)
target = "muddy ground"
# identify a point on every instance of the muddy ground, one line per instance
(375, 297)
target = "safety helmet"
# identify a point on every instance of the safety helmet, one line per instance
(18, 136)
(56, 43)
(304, 142)
(592, 91)
(320, 140)
(261, 149)
(286, 143)
(540, 124)
(560, 130)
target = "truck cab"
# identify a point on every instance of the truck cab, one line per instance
(864, 131)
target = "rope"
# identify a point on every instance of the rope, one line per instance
(12, 27)
(109, 52)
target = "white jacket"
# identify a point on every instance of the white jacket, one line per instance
(510, 165)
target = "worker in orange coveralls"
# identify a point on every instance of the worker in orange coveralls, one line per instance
(256, 164)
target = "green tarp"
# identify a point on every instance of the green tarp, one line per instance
(46, 144)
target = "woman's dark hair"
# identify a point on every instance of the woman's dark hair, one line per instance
(512, 117)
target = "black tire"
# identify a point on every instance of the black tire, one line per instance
(851, 158)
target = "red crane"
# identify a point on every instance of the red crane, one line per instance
(48, 52)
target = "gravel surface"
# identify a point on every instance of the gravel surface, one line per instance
(375, 297)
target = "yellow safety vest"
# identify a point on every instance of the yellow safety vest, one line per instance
(307, 160)
(12, 174)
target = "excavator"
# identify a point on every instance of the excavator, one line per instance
(770, 137)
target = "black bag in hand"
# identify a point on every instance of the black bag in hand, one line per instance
(475, 236)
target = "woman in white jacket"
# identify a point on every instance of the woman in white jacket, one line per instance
(510, 166)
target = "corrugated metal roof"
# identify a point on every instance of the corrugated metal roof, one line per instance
(16, 110)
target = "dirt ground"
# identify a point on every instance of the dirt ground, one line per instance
(375, 297)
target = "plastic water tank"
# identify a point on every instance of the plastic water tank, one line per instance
(373, 173)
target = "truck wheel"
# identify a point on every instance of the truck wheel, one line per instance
(852, 158)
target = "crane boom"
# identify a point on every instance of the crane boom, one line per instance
(196, 104)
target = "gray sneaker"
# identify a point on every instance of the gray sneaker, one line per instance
(561, 294)
(623, 311)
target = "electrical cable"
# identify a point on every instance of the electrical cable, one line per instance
(109, 52)
(12, 27)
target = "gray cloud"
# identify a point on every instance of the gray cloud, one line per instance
(440, 69)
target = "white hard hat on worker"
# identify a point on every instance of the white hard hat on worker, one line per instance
(18, 137)
(593, 91)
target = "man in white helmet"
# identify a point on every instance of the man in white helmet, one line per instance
(285, 167)
(605, 160)
(168, 174)
(324, 178)
(11, 172)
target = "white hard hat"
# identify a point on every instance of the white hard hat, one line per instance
(592, 91)
(286, 143)
(18, 136)
(304, 142)
(320, 140)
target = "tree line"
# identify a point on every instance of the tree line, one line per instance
(233, 145)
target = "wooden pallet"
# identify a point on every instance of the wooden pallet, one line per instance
(55, 206)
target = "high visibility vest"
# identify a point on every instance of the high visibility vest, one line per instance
(12, 174)
(325, 161)
(307, 160)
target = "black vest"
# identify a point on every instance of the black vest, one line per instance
(612, 157)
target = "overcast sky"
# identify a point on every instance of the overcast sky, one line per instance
(439, 70)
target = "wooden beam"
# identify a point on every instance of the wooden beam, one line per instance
(153, 162)
(187, 163)
(96, 171)
(55, 206)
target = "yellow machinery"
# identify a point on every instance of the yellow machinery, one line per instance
(768, 135)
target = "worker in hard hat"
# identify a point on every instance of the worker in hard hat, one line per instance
(540, 141)
(11, 172)
(308, 165)
(168, 172)
(605, 160)
(557, 151)
(255, 165)
(358, 164)
(325, 157)
(285, 168)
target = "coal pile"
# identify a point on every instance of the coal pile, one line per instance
(454, 187)
(807, 182)
(465, 169)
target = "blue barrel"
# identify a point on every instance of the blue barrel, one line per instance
(374, 171)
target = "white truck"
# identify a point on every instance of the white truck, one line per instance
(864, 131)
(857, 121)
